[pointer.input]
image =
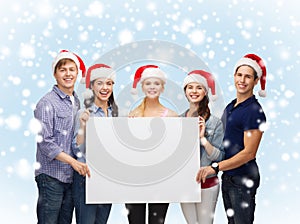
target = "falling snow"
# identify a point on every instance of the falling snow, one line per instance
(218, 32)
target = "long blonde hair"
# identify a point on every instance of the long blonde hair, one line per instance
(139, 110)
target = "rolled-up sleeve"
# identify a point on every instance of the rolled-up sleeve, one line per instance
(216, 140)
(47, 146)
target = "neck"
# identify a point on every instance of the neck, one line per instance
(193, 109)
(68, 91)
(102, 104)
(152, 103)
(242, 97)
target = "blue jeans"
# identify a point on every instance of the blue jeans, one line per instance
(239, 195)
(55, 204)
(87, 213)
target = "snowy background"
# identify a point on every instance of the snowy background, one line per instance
(219, 32)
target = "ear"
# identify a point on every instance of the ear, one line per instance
(256, 81)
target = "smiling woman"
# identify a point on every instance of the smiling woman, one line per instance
(99, 102)
(153, 80)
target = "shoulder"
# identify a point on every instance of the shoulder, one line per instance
(135, 113)
(46, 100)
(213, 121)
(171, 113)
(254, 109)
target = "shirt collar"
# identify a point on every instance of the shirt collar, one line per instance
(96, 108)
(244, 103)
(62, 94)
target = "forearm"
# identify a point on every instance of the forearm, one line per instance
(209, 148)
(236, 161)
(251, 141)
(65, 158)
(80, 138)
(79, 167)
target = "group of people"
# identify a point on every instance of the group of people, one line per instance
(228, 144)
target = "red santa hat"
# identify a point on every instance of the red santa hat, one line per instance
(94, 72)
(258, 65)
(204, 78)
(144, 72)
(65, 54)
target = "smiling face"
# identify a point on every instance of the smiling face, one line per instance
(102, 88)
(244, 80)
(152, 87)
(195, 92)
(66, 75)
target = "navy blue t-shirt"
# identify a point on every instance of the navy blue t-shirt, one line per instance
(247, 115)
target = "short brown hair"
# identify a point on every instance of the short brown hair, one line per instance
(63, 62)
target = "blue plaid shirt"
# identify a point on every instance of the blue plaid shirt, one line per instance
(56, 114)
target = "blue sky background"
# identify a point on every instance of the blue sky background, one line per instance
(219, 32)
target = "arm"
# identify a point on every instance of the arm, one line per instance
(212, 145)
(251, 142)
(83, 118)
(78, 146)
(48, 146)
(80, 167)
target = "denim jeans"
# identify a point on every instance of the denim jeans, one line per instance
(239, 195)
(87, 213)
(55, 204)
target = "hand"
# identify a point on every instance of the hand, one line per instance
(201, 123)
(203, 173)
(81, 168)
(84, 117)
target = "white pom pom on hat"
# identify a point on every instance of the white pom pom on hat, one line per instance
(144, 72)
(65, 54)
(204, 78)
(255, 62)
(94, 72)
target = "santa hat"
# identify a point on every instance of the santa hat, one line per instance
(144, 72)
(94, 72)
(258, 65)
(204, 78)
(65, 54)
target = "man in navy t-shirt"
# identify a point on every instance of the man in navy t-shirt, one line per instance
(244, 122)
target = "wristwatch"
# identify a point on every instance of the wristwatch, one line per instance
(215, 166)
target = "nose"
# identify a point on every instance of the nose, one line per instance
(104, 86)
(242, 78)
(68, 72)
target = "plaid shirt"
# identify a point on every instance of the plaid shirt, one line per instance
(56, 114)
